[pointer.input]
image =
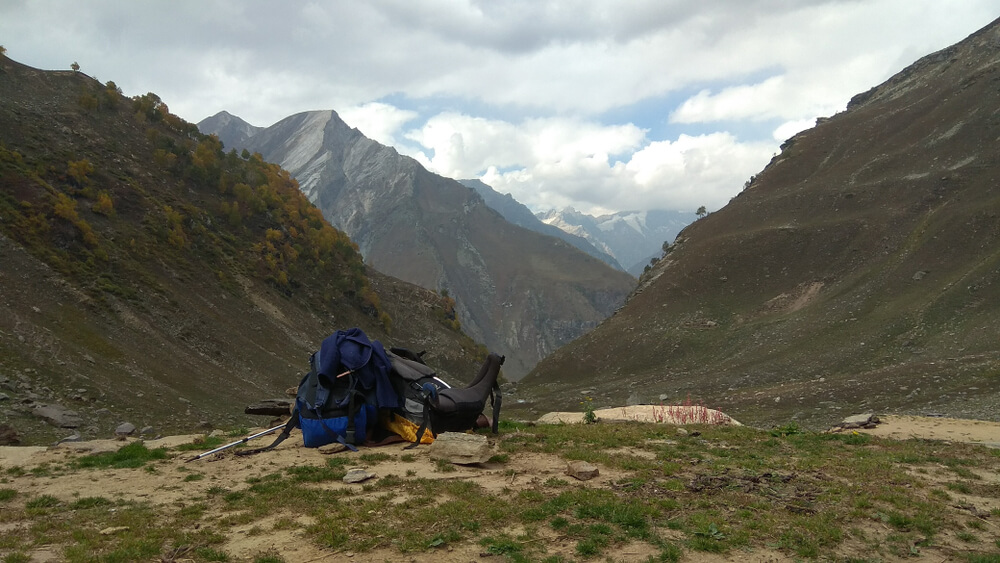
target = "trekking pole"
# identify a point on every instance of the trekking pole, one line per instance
(237, 442)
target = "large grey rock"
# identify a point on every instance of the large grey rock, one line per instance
(357, 475)
(463, 449)
(125, 429)
(58, 415)
(868, 420)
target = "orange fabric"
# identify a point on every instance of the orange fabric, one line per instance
(405, 429)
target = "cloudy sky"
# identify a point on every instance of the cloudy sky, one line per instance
(604, 105)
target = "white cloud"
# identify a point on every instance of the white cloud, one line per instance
(561, 162)
(517, 92)
(378, 121)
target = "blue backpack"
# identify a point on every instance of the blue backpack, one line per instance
(339, 399)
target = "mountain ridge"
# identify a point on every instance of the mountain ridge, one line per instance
(859, 270)
(150, 277)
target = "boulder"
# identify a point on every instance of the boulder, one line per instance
(868, 420)
(8, 436)
(125, 429)
(58, 415)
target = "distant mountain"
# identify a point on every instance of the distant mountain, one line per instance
(147, 276)
(858, 272)
(227, 126)
(519, 214)
(521, 293)
(631, 237)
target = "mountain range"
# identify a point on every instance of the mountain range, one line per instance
(859, 271)
(519, 292)
(633, 238)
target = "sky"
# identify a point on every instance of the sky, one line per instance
(601, 105)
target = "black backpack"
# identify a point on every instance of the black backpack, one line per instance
(458, 410)
(413, 380)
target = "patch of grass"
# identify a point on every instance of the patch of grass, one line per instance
(444, 466)
(374, 458)
(316, 474)
(270, 556)
(204, 443)
(132, 455)
(7, 494)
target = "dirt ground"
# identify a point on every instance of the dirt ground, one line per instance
(165, 487)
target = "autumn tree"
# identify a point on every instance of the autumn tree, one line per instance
(75, 66)
(78, 170)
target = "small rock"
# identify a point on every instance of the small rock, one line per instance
(682, 431)
(358, 475)
(333, 448)
(216, 434)
(147, 430)
(125, 429)
(102, 412)
(4, 397)
(113, 530)
(581, 470)
(461, 448)
(89, 359)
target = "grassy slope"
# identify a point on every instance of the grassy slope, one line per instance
(860, 270)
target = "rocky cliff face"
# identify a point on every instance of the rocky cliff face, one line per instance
(521, 293)
(860, 270)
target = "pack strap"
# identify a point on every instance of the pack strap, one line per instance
(292, 423)
(423, 424)
(496, 398)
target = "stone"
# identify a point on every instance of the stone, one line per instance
(357, 475)
(125, 429)
(335, 447)
(74, 437)
(868, 420)
(147, 431)
(461, 448)
(581, 470)
(58, 415)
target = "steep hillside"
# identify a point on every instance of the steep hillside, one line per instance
(632, 237)
(149, 277)
(519, 214)
(521, 293)
(859, 270)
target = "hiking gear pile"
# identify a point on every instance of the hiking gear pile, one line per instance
(356, 393)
